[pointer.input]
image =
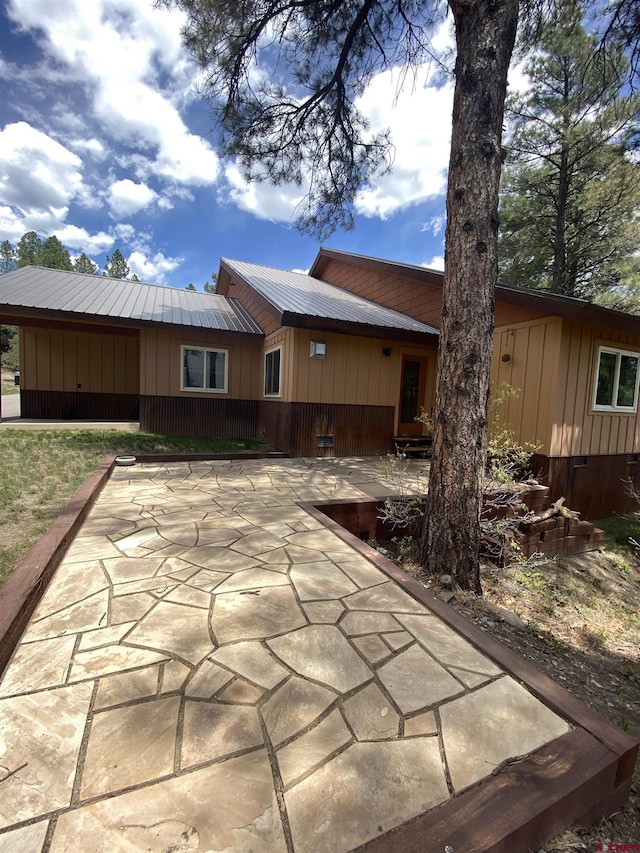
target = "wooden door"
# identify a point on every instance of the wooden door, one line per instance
(412, 387)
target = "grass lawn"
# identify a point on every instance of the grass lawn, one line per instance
(40, 470)
(10, 389)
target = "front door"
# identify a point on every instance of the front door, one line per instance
(412, 387)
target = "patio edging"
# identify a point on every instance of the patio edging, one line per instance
(580, 776)
(592, 778)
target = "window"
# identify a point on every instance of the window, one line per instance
(272, 372)
(204, 369)
(616, 380)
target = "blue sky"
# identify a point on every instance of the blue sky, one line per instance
(105, 143)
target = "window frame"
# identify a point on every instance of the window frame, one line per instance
(203, 349)
(268, 352)
(614, 407)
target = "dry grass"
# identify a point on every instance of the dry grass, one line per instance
(581, 626)
(42, 469)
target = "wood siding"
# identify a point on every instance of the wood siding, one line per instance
(579, 430)
(82, 405)
(356, 430)
(416, 298)
(161, 366)
(264, 314)
(354, 371)
(70, 361)
(201, 416)
(532, 370)
(594, 489)
(419, 299)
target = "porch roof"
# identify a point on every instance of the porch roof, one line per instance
(58, 293)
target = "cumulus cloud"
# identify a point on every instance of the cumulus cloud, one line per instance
(126, 197)
(276, 204)
(121, 49)
(79, 238)
(38, 173)
(153, 268)
(436, 263)
(419, 116)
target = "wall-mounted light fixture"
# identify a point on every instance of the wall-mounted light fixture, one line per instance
(508, 343)
(386, 352)
(318, 349)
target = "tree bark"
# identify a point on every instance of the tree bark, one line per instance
(485, 35)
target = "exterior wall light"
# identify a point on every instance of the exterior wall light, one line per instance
(318, 349)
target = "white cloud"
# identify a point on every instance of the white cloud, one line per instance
(436, 263)
(153, 268)
(435, 225)
(136, 73)
(38, 173)
(420, 120)
(126, 197)
(79, 238)
(93, 147)
(11, 225)
(276, 204)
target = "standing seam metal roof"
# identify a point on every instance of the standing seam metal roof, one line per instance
(298, 293)
(120, 299)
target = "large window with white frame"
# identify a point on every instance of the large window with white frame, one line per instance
(272, 372)
(617, 374)
(204, 369)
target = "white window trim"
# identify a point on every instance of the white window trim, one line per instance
(264, 383)
(190, 389)
(599, 407)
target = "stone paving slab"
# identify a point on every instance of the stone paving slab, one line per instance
(213, 669)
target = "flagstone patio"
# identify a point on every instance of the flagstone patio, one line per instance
(213, 667)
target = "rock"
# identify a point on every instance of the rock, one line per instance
(506, 615)
(446, 596)
(446, 581)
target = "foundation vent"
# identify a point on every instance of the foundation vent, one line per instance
(324, 441)
(579, 461)
(632, 458)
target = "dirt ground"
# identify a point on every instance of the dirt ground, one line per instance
(578, 620)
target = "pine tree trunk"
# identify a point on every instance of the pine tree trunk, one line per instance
(485, 35)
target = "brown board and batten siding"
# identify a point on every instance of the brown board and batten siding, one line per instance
(354, 371)
(57, 360)
(578, 429)
(526, 358)
(161, 363)
(422, 300)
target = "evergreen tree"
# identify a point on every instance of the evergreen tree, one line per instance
(7, 257)
(190, 286)
(27, 249)
(302, 122)
(52, 254)
(116, 266)
(570, 214)
(84, 264)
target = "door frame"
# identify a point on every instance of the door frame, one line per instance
(413, 427)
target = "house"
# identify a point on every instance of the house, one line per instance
(335, 362)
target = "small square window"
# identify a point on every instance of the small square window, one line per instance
(204, 369)
(617, 375)
(272, 363)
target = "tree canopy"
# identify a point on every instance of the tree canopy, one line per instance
(570, 212)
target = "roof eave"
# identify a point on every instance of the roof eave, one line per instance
(347, 327)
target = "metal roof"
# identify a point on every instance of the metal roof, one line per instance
(298, 293)
(73, 293)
